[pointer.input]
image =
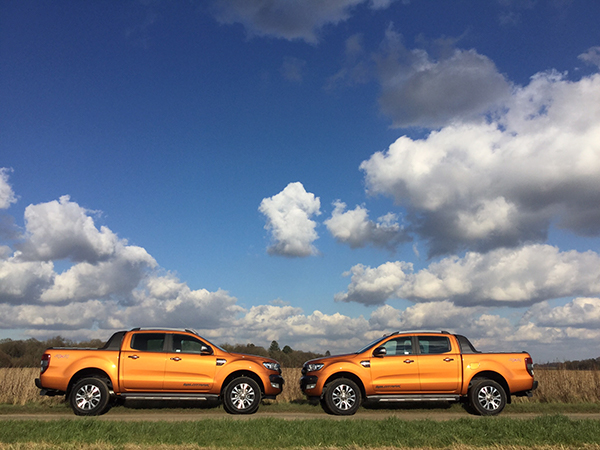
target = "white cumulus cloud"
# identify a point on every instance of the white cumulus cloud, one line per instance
(591, 56)
(422, 91)
(64, 230)
(356, 229)
(24, 281)
(7, 196)
(486, 185)
(289, 221)
(504, 276)
(115, 277)
(581, 312)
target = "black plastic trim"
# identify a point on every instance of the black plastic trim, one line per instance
(306, 380)
(168, 396)
(415, 398)
(277, 379)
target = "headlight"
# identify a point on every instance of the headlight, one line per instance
(313, 367)
(272, 366)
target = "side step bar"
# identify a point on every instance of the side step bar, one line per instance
(168, 396)
(414, 398)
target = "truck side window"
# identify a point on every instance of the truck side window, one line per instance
(401, 346)
(148, 342)
(186, 344)
(434, 345)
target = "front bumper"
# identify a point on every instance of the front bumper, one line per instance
(308, 382)
(276, 383)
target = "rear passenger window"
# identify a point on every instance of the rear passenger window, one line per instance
(148, 342)
(433, 345)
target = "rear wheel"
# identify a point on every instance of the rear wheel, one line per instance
(487, 397)
(342, 397)
(241, 396)
(90, 397)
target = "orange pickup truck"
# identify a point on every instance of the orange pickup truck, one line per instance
(157, 364)
(418, 366)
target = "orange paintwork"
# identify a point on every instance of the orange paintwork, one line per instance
(157, 370)
(407, 370)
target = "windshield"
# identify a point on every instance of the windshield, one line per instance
(371, 344)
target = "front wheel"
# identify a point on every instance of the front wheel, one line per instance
(241, 396)
(487, 398)
(90, 397)
(342, 397)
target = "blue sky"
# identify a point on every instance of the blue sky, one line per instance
(317, 173)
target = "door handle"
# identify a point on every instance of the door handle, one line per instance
(177, 358)
(448, 359)
(409, 361)
(133, 356)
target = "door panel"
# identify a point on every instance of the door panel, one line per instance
(397, 371)
(439, 365)
(143, 364)
(186, 368)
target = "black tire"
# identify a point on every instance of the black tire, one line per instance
(90, 397)
(242, 396)
(342, 397)
(324, 406)
(486, 397)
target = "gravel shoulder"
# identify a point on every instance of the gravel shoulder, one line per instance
(158, 416)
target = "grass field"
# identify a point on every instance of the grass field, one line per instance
(266, 433)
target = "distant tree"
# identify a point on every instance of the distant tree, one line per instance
(249, 349)
(5, 360)
(287, 350)
(327, 353)
(274, 347)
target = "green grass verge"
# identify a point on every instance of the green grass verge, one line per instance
(267, 433)
(303, 407)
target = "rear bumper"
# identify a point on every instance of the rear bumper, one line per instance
(528, 393)
(44, 391)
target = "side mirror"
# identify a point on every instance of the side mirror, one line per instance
(380, 352)
(204, 350)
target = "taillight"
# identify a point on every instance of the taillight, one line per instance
(45, 362)
(529, 365)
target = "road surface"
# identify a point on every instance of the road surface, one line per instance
(191, 415)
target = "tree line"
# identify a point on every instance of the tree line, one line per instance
(585, 364)
(28, 353)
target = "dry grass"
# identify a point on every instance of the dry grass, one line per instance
(568, 386)
(17, 387)
(291, 390)
(556, 386)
